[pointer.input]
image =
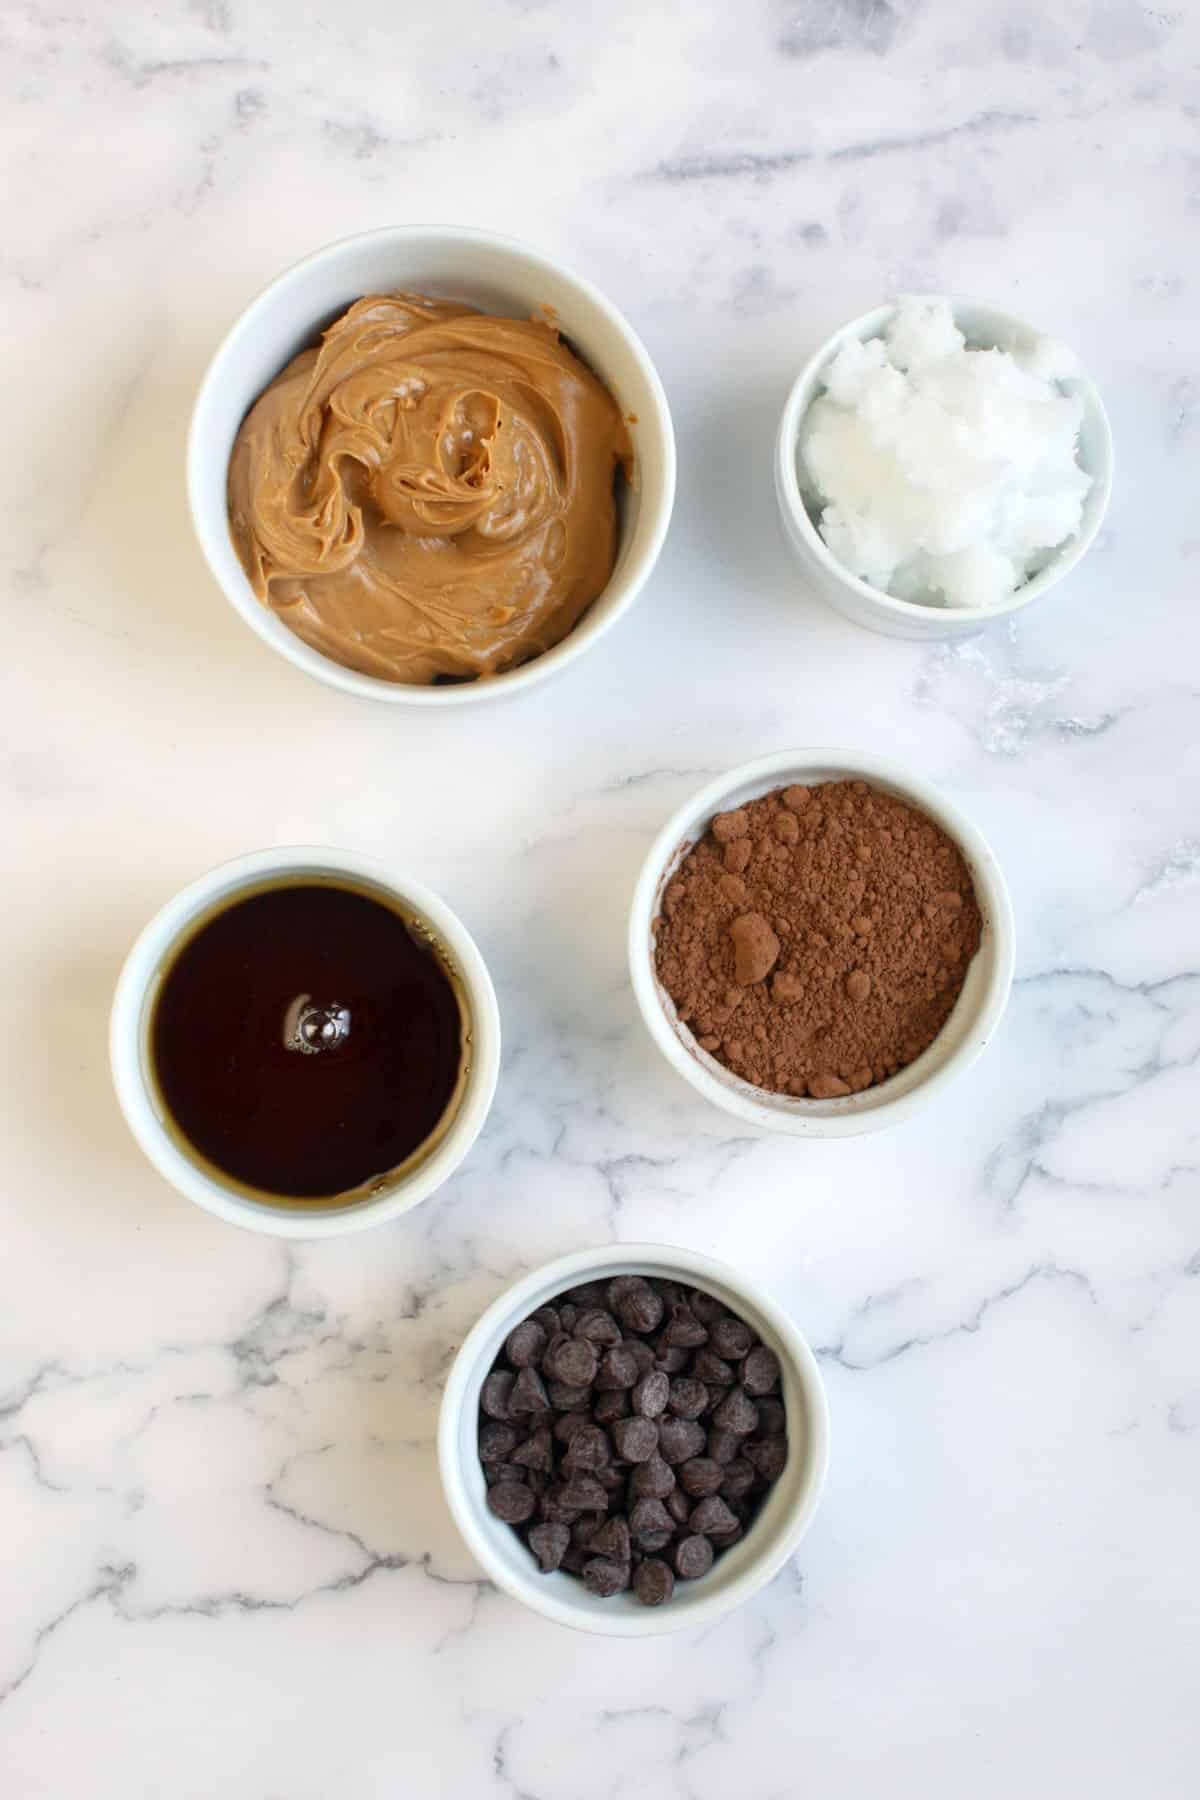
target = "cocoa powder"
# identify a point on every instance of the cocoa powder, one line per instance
(815, 940)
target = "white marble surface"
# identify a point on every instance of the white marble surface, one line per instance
(225, 1561)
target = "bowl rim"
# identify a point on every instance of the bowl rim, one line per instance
(787, 480)
(567, 1271)
(146, 958)
(853, 1115)
(590, 629)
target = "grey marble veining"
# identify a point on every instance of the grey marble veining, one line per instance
(227, 1565)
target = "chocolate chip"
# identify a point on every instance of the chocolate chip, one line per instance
(618, 1368)
(712, 1515)
(693, 1558)
(712, 1369)
(768, 1455)
(512, 1501)
(642, 1354)
(604, 1578)
(639, 1308)
(537, 1452)
(760, 1371)
(495, 1441)
(496, 1392)
(547, 1318)
(688, 1398)
(635, 1439)
(654, 1583)
(583, 1493)
(549, 1543)
(672, 1358)
(651, 1524)
(707, 1308)
(502, 1471)
(737, 1413)
(583, 1532)
(587, 1451)
(565, 1397)
(612, 1539)
(572, 1360)
(723, 1445)
(652, 1479)
(588, 1293)
(610, 1404)
(699, 1476)
(651, 1394)
(716, 1397)
(772, 1417)
(528, 1394)
(567, 1316)
(683, 1330)
(524, 1343)
(619, 1286)
(739, 1478)
(731, 1338)
(598, 1327)
(570, 1425)
(678, 1505)
(680, 1438)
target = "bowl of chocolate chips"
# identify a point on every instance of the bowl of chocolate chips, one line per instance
(633, 1440)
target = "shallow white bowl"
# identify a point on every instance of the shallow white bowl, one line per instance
(983, 328)
(776, 1531)
(966, 1032)
(495, 274)
(133, 1006)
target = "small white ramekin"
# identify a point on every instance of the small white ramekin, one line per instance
(133, 1006)
(966, 1032)
(983, 328)
(495, 274)
(771, 1539)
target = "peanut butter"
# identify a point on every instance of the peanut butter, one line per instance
(429, 493)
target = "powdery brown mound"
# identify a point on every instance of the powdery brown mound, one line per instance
(815, 940)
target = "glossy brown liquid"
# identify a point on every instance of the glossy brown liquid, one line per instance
(307, 1041)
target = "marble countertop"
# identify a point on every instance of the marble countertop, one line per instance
(227, 1566)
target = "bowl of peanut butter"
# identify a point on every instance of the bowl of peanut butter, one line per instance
(429, 465)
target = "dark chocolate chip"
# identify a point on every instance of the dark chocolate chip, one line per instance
(768, 1455)
(635, 1439)
(688, 1398)
(731, 1338)
(699, 1476)
(572, 1360)
(653, 1583)
(680, 1438)
(651, 1524)
(618, 1368)
(583, 1493)
(642, 1354)
(502, 1471)
(537, 1452)
(588, 1293)
(683, 1330)
(547, 1318)
(693, 1558)
(723, 1445)
(549, 1543)
(716, 1397)
(619, 1286)
(652, 1479)
(707, 1308)
(604, 1578)
(512, 1501)
(612, 1539)
(528, 1394)
(651, 1394)
(737, 1413)
(598, 1327)
(496, 1441)
(566, 1396)
(570, 1425)
(639, 1309)
(772, 1417)
(712, 1369)
(760, 1371)
(610, 1404)
(672, 1359)
(567, 1316)
(712, 1514)
(525, 1343)
(587, 1451)
(739, 1477)
(495, 1394)
(678, 1505)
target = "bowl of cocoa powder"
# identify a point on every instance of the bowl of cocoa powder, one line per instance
(819, 942)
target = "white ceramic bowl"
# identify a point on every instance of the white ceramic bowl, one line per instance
(776, 1531)
(984, 328)
(495, 274)
(966, 1032)
(133, 1006)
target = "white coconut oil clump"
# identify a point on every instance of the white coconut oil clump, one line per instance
(939, 474)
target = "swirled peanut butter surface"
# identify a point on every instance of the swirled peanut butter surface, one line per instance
(429, 493)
